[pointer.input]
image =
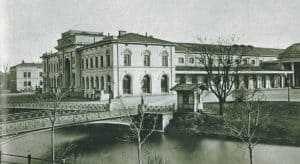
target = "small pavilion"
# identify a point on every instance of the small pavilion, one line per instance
(189, 97)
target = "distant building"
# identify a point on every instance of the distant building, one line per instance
(26, 77)
(131, 64)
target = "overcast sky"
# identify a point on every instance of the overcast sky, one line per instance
(29, 28)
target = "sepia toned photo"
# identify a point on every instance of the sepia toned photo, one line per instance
(149, 82)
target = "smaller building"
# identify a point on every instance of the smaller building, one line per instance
(26, 77)
(189, 97)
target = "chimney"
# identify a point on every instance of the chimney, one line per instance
(121, 32)
(23, 62)
(146, 34)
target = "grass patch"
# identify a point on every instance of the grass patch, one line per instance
(285, 119)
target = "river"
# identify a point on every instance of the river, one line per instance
(100, 144)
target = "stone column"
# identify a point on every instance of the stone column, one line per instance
(250, 81)
(293, 78)
(282, 81)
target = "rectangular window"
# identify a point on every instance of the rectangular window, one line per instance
(82, 64)
(146, 60)
(181, 60)
(253, 62)
(29, 74)
(96, 62)
(25, 74)
(127, 60)
(41, 74)
(191, 60)
(91, 63)
(101, 61)
(86, 63)
(165, 61)
(29, 83)
(25, 83)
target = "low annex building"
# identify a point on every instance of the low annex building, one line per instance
(26, 77)
(131, 64)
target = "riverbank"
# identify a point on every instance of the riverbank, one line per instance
(283, 124)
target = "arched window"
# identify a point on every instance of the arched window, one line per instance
(146, 58)
(127, 57)
(146, 84)
(87, 83)
(164, 84)
(165, 59)
(127, 84)
(102, 82)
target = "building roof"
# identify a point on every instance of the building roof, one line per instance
(79, 32)
(133, 37)
(251, 51)
(292, 51)
(23, 64)
(187, 87)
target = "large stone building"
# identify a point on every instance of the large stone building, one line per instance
(131, 64)
(26, 77)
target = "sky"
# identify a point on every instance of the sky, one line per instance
(28, 28)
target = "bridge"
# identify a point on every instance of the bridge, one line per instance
(29, 117)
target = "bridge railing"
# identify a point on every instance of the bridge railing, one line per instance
(62, 105)
(160, 108)
(4, 157)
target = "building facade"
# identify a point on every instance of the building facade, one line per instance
(131, 64)
(26, 77)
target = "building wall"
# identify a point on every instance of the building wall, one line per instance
(105, 70)
(137, 70)
(35, 78)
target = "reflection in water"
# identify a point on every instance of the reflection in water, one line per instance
(92, 144)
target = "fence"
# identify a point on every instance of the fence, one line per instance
(28, 158)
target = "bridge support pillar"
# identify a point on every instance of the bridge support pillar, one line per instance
(166, 120)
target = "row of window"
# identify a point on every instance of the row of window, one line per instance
(28, 74)
(95, 62)
(146, 84)
(192, 61)
(275, 81)
(96, 82)
(147, 58)
(27, 83)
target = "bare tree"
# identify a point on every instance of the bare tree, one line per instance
(222, 63)
(244, 119)
(4, 79)
(54, 100)
(141, 127)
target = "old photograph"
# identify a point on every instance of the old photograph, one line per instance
(149, 82)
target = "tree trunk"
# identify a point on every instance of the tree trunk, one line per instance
(221, 106)
(250, 155)
(52, 142)
(139, 153)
